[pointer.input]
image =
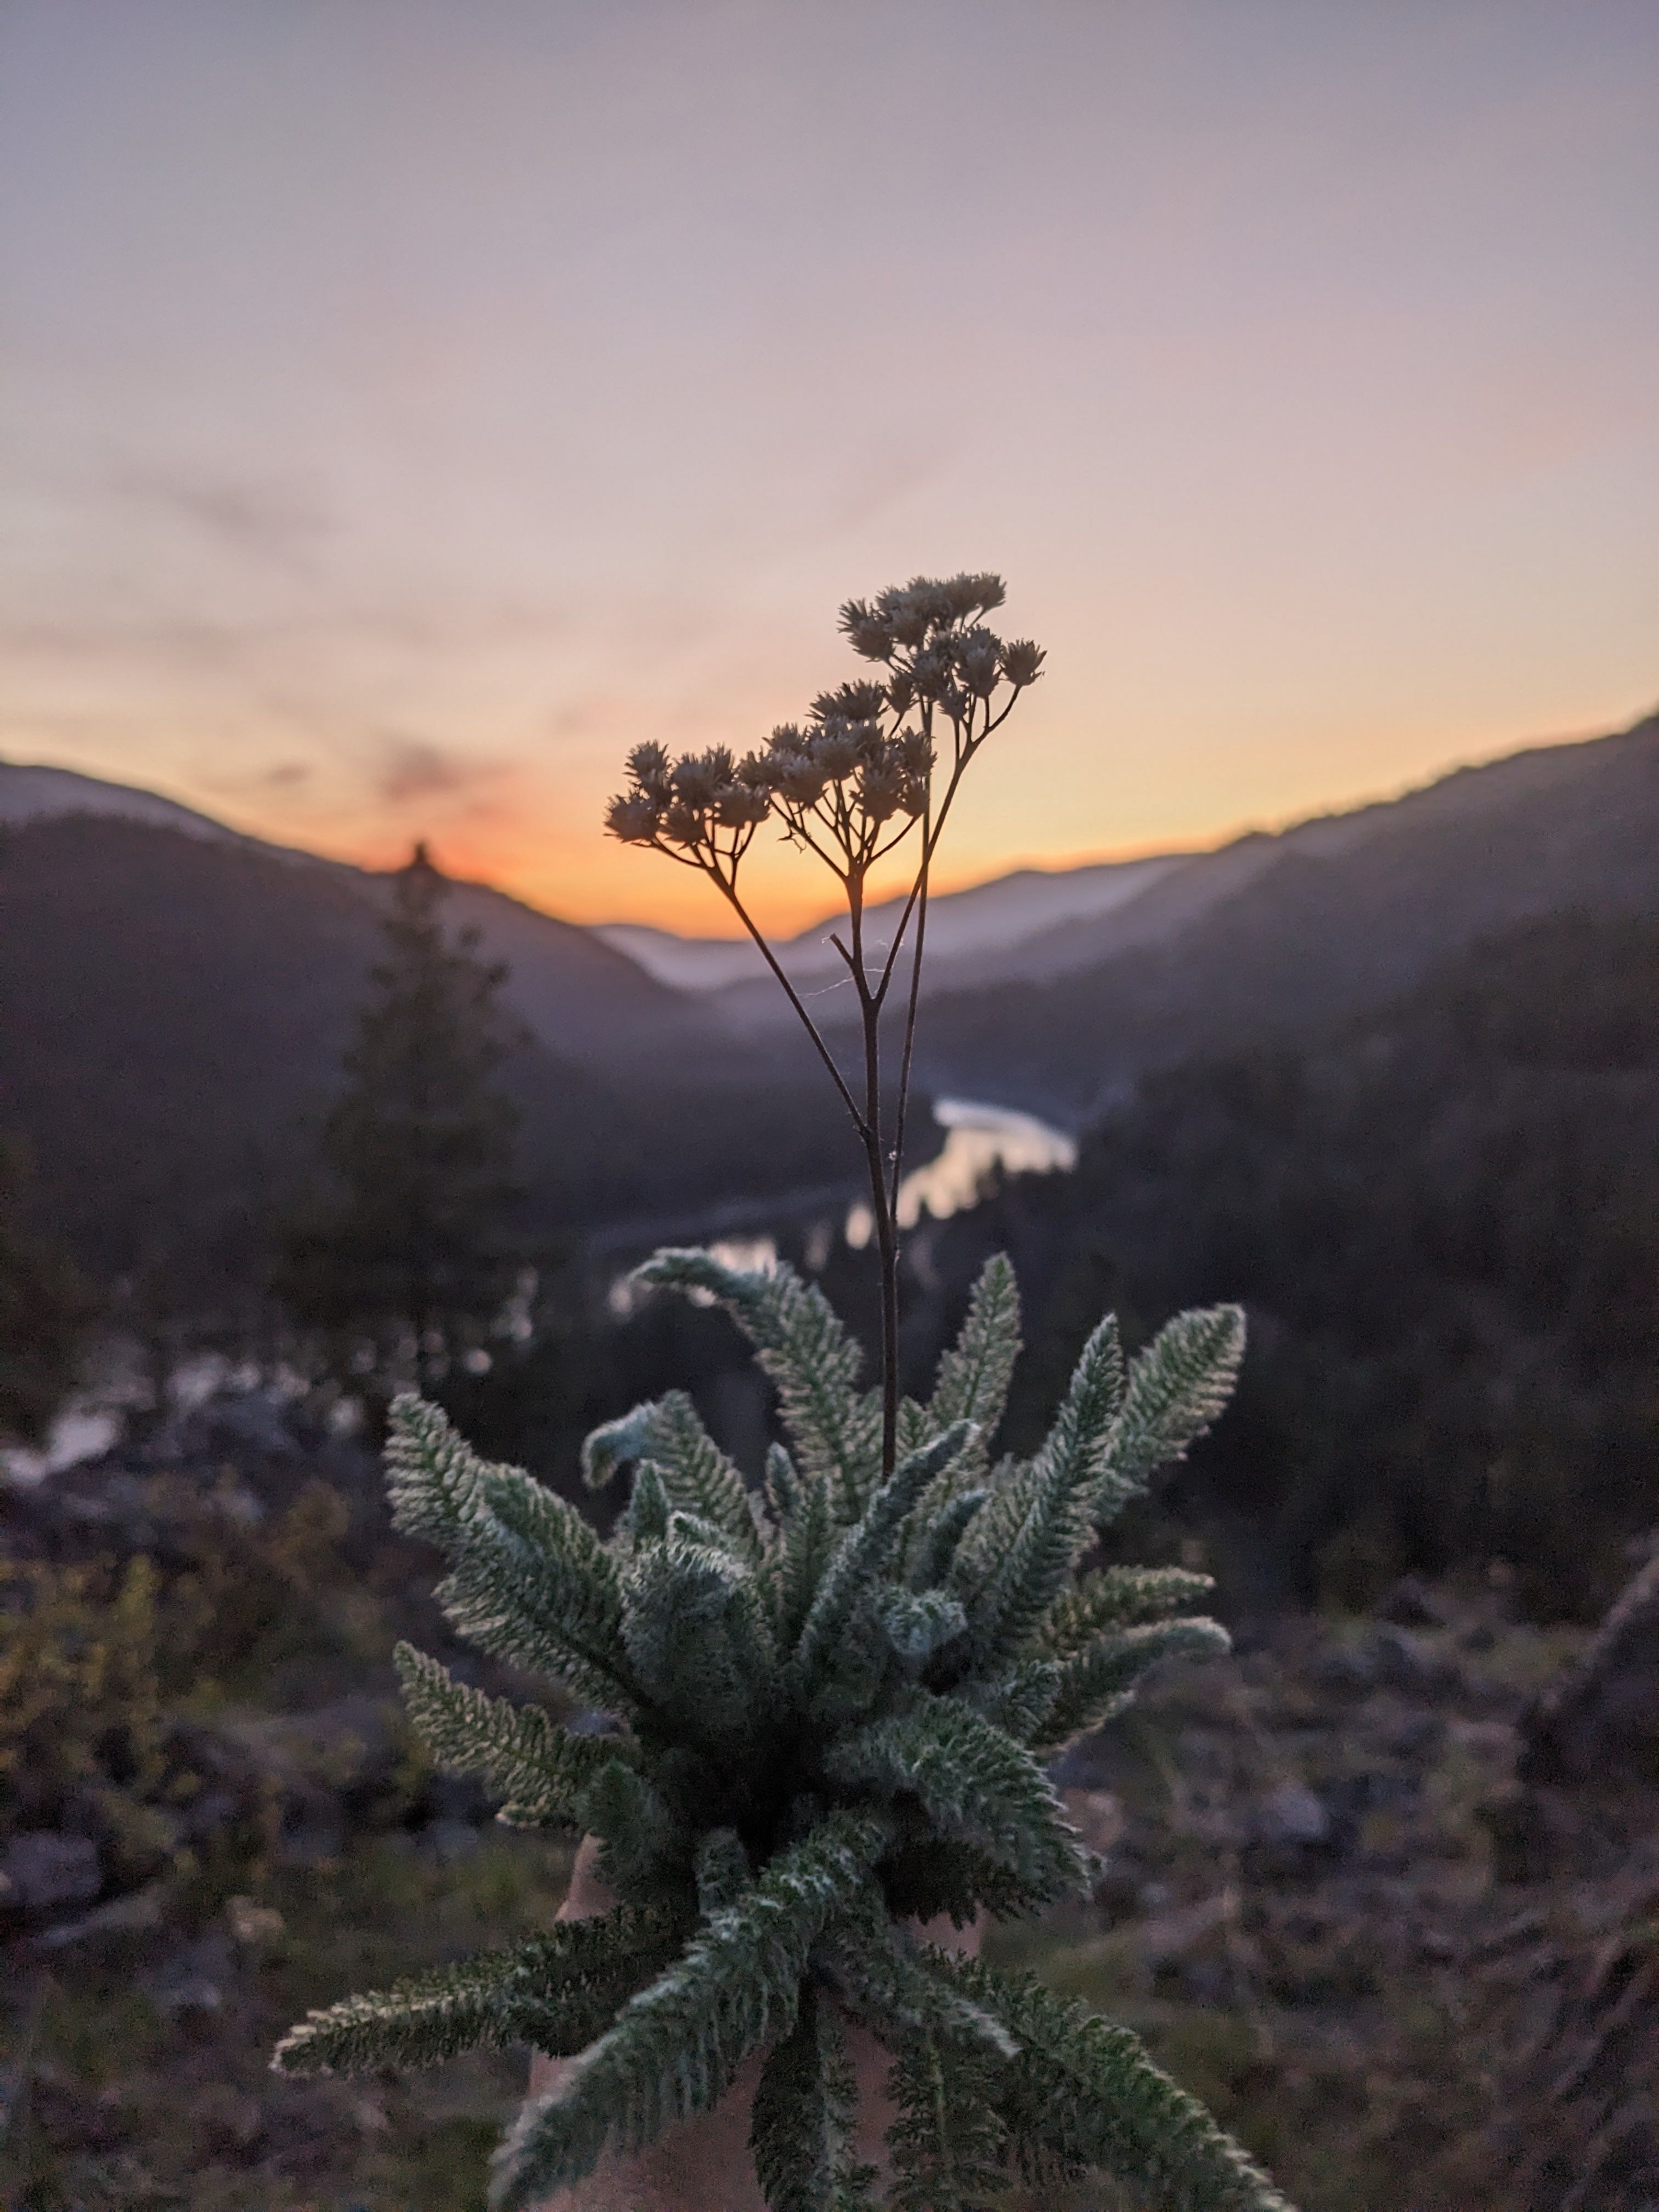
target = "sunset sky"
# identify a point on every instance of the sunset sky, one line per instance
(407, 404)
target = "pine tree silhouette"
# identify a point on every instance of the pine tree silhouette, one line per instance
(403, 1250)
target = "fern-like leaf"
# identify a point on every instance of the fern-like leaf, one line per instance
(1023, 1546)
(1118, 1597)
(1176, 1388)
(530, 1580)
(949, 2140)
(698, 1640)
(557, 1991)
(974, 1783)
(539, 1768)
(974, 1375)
(1092, 1687)
(677, 2043)
(864, 1551)
(696, 1474)
(836, 1428)
(805, 2111)
(1090, 2095)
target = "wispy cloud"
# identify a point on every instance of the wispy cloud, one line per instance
(410, 770)
(284, 521)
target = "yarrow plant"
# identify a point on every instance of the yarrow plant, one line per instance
(874, 762)
(830, 1701)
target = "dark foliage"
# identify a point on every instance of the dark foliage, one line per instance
(1444, 1222)
(44, 1308)
(405, 1244)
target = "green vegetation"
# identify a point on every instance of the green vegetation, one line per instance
(401, 1261)
(44, 1309)
(834, 1707)
(1444, 1226)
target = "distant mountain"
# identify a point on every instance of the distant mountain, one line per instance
(173, 997)
(971, 934)
(1051, 928)
(1274, 935)
(34, 793)
(579, 996)
(174, 1005)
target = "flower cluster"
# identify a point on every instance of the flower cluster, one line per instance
(850, 780)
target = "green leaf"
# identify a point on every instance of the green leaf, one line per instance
(536, 1765)
(805, 2113)
(973, 1379)
(948, 2139)
(530, 1580)
(696, 1475)
(887, 1980)
(1097, 1683)
(1118, 1597)
(1086, 2092)
(973, 1781)
(645, 1852)
(865, 1549)
(698, 1641)
(835, 1430)
(1177, 1387)
(1014, 1562)
(557, 1991)
(676, 2046)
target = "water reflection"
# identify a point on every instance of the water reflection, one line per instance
(982, 1140)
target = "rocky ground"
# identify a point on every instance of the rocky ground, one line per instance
(1357, 1891)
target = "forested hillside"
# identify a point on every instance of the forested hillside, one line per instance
(1444, 1221)
(1277, 938)
(173, 1011)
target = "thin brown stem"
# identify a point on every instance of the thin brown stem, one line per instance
(913, 998)
(793, 996)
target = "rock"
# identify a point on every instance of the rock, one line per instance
(1290, 1815)
(40, 1868)
(1097, 1817)
(255, 1927)
(1351, 1668)
(196, 1979)
(1401, 1663)
(137, 1914)
(1598, 1723)
(449, 1840)
(1411, 1604)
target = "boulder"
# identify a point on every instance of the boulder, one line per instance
(40, 1869)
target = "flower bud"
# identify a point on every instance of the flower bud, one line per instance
(905, 618)
(801, 782)
(974, 594)
(649, 766)
(881, 785)
(835, 751)
(917, 753)
(868, 635)
(699, 776)
(738, 806)
(683, 824)
(633, 816)
(1022, 661)
(979, 658)
(931, 670)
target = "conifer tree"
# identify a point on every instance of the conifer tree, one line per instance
(44, 1308)
(834, 1701)
(405, 1249)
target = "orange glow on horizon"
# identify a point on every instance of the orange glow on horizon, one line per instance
(537, 857)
